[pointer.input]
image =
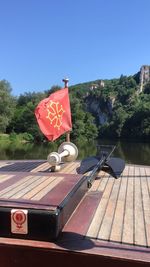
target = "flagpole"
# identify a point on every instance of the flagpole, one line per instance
(66, 80)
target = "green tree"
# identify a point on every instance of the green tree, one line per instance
(138, 125)
(118, 120)
(91, 131)
(7, 105)
(24, 120)
(53, 89)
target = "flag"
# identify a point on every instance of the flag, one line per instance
(53, 114)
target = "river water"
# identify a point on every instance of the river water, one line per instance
(131, 152)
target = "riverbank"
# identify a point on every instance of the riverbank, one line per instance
(13, 137)
(131, 152)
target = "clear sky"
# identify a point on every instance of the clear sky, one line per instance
(42, 41)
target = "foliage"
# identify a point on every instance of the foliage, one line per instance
(4, 138)
(22, 137)
(83, 122)
(24, 120)
(130, 114)
(125, 112)
(7, 105)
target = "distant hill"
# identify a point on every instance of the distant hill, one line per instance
(121, 107)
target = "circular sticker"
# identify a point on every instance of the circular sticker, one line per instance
(19, 218)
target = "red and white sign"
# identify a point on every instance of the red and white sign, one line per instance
(19, 221)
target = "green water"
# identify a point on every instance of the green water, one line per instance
(131, 152)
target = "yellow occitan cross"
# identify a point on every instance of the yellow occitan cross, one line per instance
(55, 113)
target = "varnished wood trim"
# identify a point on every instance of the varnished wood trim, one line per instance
(80, 220)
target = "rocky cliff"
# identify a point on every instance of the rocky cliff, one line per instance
(102, 110)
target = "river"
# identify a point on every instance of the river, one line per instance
(131, 152)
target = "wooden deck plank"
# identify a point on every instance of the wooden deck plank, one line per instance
(47, 189)
(98, 217)
(5, 177)
(105, 229)
(96, 184)
(116, 232)
(139, 234)
(74, 167)
(128, 225)
(32, 192)
(98, 181)
(20, 190)
(147, 170)
(146, 203)
(68, 168)
(43, 167)
(108, 229)
(142, 172)
(25, 189)
(34, 187)
(15, 185)
(103, 184)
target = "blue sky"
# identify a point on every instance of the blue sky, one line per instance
(42, 41)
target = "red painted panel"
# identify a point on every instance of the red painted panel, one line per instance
(81, 219)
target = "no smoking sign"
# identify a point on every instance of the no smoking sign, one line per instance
(19, 221)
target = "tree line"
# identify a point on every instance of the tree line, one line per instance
(17, 115)
(129, 116)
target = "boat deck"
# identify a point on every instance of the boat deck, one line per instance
(123, 213)
(111, 222)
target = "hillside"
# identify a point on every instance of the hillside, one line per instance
(120, 109)
(116, 108)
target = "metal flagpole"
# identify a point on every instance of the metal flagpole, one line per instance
(66, 80)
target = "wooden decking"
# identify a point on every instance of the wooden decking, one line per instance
(123, 214)
(123, 211)
(112, 219)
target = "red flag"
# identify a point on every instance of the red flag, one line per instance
(53, 114)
